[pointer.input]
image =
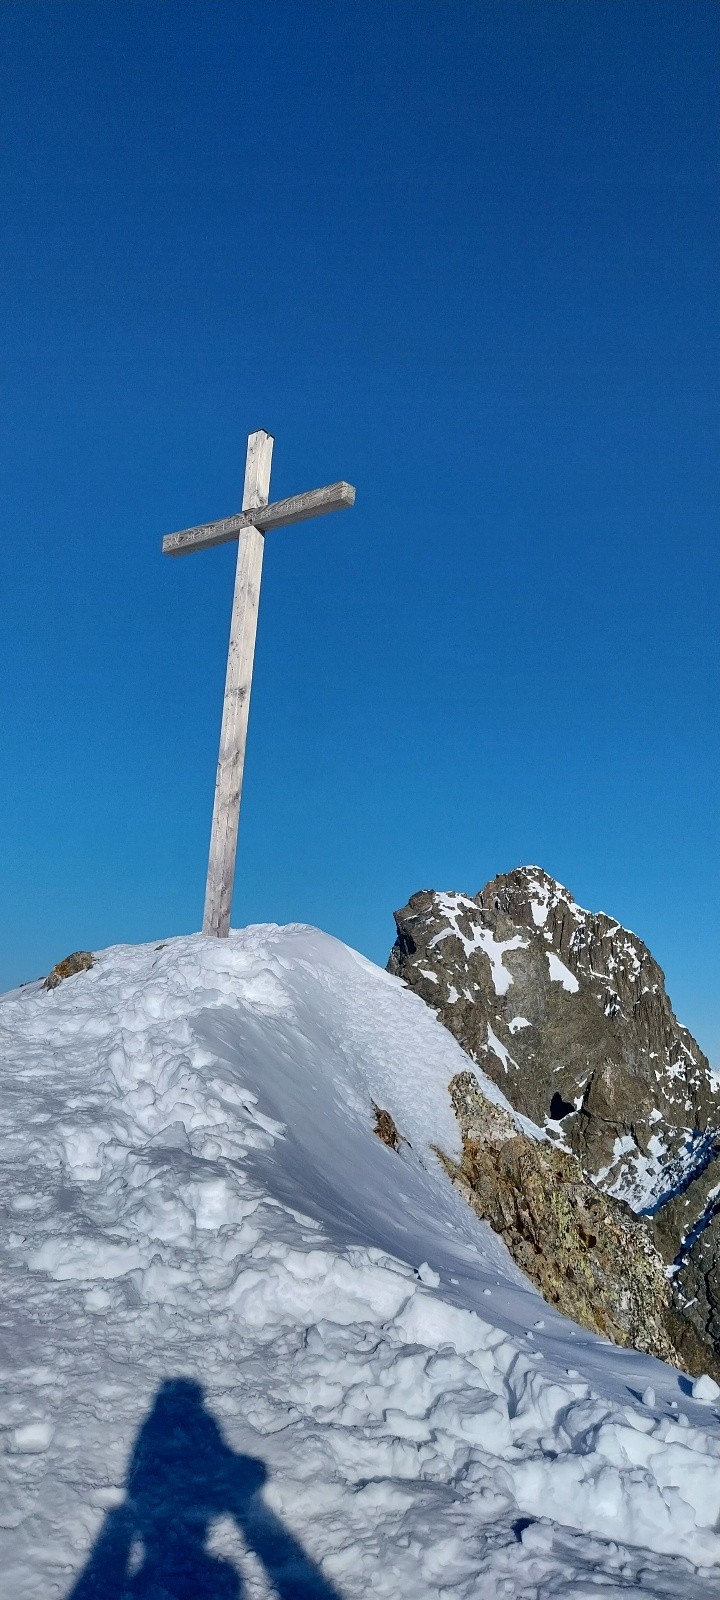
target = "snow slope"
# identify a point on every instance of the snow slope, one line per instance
(248, 1350)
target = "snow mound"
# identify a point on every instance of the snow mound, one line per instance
(249, 1350)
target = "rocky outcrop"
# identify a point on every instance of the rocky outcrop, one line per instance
(567, 1012)
(697, 1284)
(587, 1253)
(79, 961)
(386, 1129)
(687, 1231)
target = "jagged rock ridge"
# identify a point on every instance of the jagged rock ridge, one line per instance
(567, 1011)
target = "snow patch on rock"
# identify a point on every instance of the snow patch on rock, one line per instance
(559, 973)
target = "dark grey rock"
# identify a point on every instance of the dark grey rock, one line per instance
(567, 1012)
(564, 1008)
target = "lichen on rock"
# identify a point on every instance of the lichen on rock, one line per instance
(567, 1012)
(587, 1253)
(79, 961)
(386, 1129)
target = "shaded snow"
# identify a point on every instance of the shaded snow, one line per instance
(645, 1182)
(324, 1375)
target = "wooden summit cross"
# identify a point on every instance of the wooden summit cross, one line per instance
(249, 528)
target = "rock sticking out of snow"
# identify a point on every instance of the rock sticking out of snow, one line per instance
(600, 1061)
(597, 1026)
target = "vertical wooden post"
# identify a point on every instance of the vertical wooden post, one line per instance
(238, 682)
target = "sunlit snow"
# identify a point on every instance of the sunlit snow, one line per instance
(559, 973)
(479, 939)
(251, 1351)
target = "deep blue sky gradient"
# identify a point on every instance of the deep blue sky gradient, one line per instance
(464, 255)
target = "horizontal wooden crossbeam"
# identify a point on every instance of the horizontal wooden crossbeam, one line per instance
(314, 503)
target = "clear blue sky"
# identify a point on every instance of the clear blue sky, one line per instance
(466, 256)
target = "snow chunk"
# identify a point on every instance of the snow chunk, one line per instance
(31, 1439)
(706, 1389)
(86, 1258)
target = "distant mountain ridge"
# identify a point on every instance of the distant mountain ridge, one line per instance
(566, 1010)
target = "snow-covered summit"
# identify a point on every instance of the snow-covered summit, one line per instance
(250, 1350)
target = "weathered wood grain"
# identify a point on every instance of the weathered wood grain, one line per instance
(236, 705)
(248, 527)
(313, 503)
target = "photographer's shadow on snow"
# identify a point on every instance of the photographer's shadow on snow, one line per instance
(182, 1477)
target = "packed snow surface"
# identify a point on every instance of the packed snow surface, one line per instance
(248, 1350)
